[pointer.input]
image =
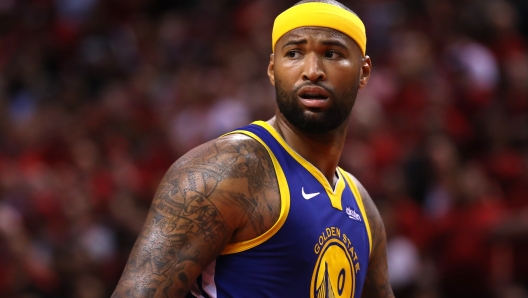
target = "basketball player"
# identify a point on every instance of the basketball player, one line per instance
(265, 211)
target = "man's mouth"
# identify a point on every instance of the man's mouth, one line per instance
(313, 92)
(313, 96)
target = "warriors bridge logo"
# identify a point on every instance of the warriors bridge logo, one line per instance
(334, 274)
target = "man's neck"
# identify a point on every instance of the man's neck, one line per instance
(321, 150)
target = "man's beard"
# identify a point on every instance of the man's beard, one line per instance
(316, 122)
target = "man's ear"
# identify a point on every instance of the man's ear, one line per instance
(366, 67)
(271, 69)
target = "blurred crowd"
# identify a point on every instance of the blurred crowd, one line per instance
(99, 97)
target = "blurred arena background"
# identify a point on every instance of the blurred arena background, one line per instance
(99, 97)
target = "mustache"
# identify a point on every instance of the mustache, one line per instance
(310, 84)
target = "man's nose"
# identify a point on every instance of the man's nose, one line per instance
(313, 69)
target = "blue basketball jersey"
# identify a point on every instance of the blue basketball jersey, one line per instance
(319, 247)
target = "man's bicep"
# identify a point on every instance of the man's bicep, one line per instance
(377, 280)
(184, 230)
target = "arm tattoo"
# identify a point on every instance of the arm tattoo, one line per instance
(204, 197)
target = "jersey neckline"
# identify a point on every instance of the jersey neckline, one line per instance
(333, 193)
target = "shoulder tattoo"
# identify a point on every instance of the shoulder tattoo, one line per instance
(202, 200)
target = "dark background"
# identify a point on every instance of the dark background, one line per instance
(99, 97)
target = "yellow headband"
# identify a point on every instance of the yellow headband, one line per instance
(320, 15)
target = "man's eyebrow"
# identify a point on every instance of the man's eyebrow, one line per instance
(334, 42)
(295, 42)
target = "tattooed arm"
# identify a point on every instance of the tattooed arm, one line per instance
(223, 191)
(377, 281)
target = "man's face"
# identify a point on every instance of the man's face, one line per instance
(317, 73)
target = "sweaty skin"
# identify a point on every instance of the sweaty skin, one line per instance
(226, 190)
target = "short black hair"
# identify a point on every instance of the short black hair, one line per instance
(333, 2)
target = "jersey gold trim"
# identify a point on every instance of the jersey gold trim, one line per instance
(335, 196)
(359, 201)
(284, 197)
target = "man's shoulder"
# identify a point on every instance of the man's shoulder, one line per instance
(369, 204)
(358, 184)
(222, 156)
(236, 175)
(223, 146)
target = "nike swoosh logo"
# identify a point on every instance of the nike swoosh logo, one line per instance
(308, 196)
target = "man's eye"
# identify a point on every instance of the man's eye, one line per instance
(293, 54)
(331, 54)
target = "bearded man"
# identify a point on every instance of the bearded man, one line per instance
(265, 211)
